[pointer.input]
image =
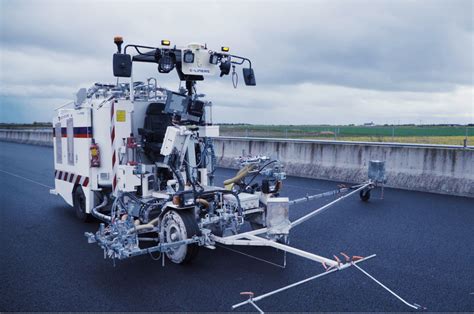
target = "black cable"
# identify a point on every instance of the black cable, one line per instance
(179, 177)
(260, 170)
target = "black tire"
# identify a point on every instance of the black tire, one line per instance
(79, 203)
(187, 252)
(364, 195)
(255, 225)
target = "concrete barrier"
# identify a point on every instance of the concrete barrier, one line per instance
(430, 168)
(36, 137)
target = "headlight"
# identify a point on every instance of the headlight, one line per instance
(188, 57)
(225, 67)
(213, 59)
(166, 64)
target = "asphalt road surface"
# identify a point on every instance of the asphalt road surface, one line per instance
(424, 246)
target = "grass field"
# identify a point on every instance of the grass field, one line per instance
(450, 135)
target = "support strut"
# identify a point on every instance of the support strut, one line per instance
(252, 300)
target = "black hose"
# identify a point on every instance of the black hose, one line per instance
(239, 207)
(179, 177)
(260, 170)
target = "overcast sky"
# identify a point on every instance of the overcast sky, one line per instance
(334, 62)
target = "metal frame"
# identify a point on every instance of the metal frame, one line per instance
(251, 300)
(252, 238)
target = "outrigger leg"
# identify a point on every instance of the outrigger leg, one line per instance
(330, 265)
(353, 262)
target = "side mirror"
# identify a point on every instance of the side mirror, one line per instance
(249, 77)
(122, 65)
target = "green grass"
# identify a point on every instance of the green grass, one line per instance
(453, 135)
(314, 130)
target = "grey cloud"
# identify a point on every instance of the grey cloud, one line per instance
(51, 48)
(384, 45)
(380, 45)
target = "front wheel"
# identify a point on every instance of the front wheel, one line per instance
(79, 203)
(177, 226)
(364, 195)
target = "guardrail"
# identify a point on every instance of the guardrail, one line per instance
(441, 169)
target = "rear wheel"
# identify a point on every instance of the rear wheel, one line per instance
(177, 226)
(79, 203)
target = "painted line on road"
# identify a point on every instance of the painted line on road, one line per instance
(33, 181)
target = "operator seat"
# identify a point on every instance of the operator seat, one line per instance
(154, 130)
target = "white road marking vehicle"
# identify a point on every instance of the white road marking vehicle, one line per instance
(140, 158)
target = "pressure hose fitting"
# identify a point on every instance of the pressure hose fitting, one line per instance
(95, 211)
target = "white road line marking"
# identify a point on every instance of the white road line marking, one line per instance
(15, 175)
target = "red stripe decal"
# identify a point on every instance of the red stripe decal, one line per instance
(113, 159)
(113, 134)
(114, 183)
(69, 177)
(112, 110)
(82, 135)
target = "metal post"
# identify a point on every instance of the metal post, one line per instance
(465, 139)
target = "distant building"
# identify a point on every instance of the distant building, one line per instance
(369, 124)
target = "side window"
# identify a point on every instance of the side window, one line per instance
(59, 143)
(70, 141)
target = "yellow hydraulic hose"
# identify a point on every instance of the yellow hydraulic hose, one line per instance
(151, 224)
(242, 173)
(203, 202)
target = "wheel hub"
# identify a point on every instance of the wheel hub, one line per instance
(174, 230)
